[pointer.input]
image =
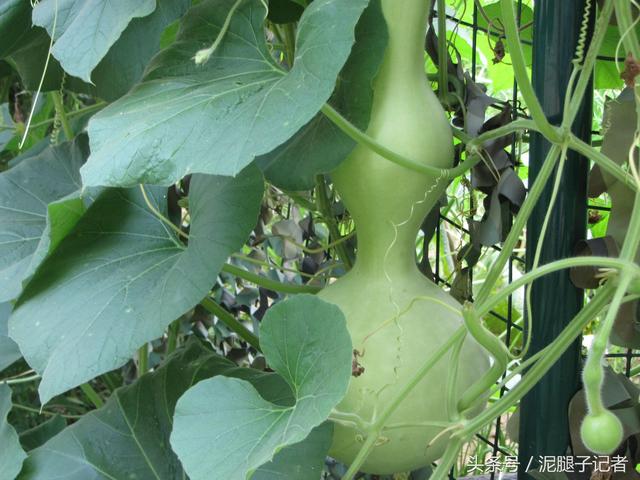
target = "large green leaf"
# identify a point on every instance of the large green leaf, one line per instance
(124, 65)
(129, 436)
(304, 340)
(216, 117)
(122, 276)
(39, 204)
(320, 146)
(42, 433)
(117, 72)
(15, 18)
(9, 351)
(302, 461)
(85, 30)
(11, 453)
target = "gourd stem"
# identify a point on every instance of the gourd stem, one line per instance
(324, 206)
(447, 460)
(230, 321)
(143, 360)
(379, 424)
(64, 120)
(604, 162)
(443, 55)
(15, 381)
(593, 374)
(267, 282)
(481, 309)
(172, 337)
(92, 395)
(586, 68)
(520, 221)
(448, 173)
(521, 74)
(537, 371)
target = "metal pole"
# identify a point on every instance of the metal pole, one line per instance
(544, 428)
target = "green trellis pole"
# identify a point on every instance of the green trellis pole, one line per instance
(544, 428)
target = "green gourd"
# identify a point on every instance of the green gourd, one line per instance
(395, 315)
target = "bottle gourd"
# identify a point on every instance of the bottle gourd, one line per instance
(396, 316)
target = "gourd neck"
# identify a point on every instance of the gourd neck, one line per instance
(404, 57)
(388, 202)
(389, 248)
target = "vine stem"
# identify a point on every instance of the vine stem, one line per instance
(535, 373)
(92, 395)
(267, 282)
(521, 74)
(58, 103)
(230, 321)
(324, 206)
(172, 337)
(484, 308)
(586, 73)
(443, 77)
(16, 381)
(602, 161)
(143, 360)
(365, 140)
(376, 428)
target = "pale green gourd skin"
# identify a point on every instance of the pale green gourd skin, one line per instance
(406, 117)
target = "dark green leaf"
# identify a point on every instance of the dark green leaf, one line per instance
(11, 453)
(15, 20)
(122, 276)
(216, 117)
(284, 11)
(85, 30)
(129, 436)
(124, 65)
(302, 461)
(39, 204)
(120, 69)
(304, 340)
(41, 434)
(320, 146)
(9, 351)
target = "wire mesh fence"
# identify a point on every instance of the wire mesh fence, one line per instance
(495, 441)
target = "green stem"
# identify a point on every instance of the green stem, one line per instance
(44, 412)
(365, 140)
(443, 55)
(521, 74)
(143, 360)
(172, 337)
(447, 460)
(230, 321)
(267, 282)
(203, 56)
(58, 103)
(92, 395)
(593, 375)
(518, 225)
(483, 308)
(16, 381)
(324, 206)
(587, 67)
(604, 162)
(537, 371)
(624, 17)
(290, 42)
